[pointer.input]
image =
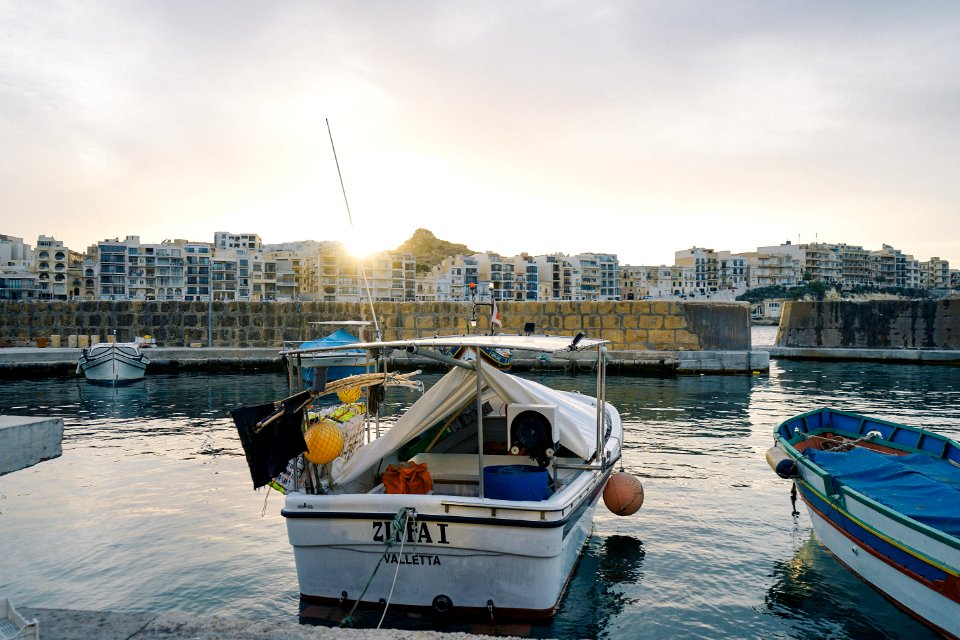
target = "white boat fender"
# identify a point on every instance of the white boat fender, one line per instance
(623, 494)
(781, 462)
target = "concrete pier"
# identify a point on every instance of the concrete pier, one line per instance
(891, 356)
(21, 362)
(62, 624)
(25, 441)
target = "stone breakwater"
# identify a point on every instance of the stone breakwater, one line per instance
(878, 324)
(629, 326)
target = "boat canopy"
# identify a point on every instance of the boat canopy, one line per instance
(916, 485)
(576, 415)
(335, 340)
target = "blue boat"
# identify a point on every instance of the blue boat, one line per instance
(319, 368)
(884, 499)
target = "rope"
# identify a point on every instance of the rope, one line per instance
(839, 445)
(396, 572)
(388, 542)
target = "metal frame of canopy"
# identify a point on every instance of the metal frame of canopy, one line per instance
(543, 344)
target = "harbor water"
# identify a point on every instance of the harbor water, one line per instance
(150, 508)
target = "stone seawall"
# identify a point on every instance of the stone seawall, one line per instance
(636, 325)
(879, 324)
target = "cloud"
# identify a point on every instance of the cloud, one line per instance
(635, 128)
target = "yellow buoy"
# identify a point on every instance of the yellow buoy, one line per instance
(623, 494)
(349, 396)
(324, 442)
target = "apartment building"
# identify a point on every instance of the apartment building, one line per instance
(855, 265)
(558, 278)
(445, 282)
(767, 270)
(88, 274)
(526, 278)
(892, 268)
(822, 263)
(731, 271)
(224, 240)
(935, 274)
(702, 270)
(329, 272)
(58, 270)
(18, 280)
(131, 270)
(634, 282)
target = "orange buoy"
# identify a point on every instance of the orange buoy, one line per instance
(623, 494)
(324, 442)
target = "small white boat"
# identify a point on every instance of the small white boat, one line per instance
(113, 363)
(884, 499)
(504, 478)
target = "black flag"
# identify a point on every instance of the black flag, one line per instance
(270, 449)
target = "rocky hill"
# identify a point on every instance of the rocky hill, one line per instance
(430, 250)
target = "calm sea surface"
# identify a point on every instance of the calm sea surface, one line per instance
(151, 507)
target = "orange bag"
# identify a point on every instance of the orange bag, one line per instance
(407, 477)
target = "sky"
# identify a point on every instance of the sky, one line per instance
(632, 127)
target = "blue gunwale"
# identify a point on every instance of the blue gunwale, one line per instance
(895, 436)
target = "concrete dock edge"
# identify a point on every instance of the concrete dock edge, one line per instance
(64, 624)
(22, 362)
(26, 441)
(890, 356)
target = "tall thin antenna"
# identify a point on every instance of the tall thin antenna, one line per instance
(363, 273)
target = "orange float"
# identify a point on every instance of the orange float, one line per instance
(623, 494)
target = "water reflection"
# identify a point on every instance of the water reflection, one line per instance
(823, 599)
(603, 587)
(154, 496)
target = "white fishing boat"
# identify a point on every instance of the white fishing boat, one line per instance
(113, 363)
(478, 499)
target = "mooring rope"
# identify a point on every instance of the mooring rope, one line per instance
(839, 445)
(389, 541)
(396, 572)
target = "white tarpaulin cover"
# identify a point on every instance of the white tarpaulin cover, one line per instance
(576, 414)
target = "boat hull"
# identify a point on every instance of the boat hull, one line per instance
(889, 519)
(112, 364)
(912, 583)
(504, 557)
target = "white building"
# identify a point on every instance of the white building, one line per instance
(18, 280)
(701, 270)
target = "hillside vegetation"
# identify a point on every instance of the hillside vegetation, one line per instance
(821, 291)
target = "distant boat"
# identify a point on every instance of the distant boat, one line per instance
(884, 499)
(320, 367)
(113, 363)
(502, 359)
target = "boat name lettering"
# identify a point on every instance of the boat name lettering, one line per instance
(412, 558)
(416, 532)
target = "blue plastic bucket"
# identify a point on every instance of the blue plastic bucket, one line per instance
(515, 482)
